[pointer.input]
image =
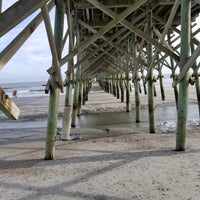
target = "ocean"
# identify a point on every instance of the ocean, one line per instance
(37, 89)
(24, 89)
(165, 116)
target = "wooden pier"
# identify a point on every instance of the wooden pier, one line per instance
(116, 42)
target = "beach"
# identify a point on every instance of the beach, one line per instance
(112, 158)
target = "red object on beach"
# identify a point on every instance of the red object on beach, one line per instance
(14, 93)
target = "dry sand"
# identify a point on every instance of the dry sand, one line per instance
(115, 162)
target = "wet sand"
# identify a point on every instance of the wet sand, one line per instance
(109, 161)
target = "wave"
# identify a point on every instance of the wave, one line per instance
(30, 89)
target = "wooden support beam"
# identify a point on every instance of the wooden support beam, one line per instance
(136, 86)
(141, 46)
(121, 62)
(68, 57)
(151, 104)
(77, 101)
(101, 60)
(163, 57)
(18, 12)
(104, 64)
(7, 106)
(65, 38)
(129, 54)
(103, 30)
(52, 45)
(117, 45)
(20, 39)
(54, 91)
(181, 129)
(68, 106)
(162, 37)
(138, 32)
(99, 57)
(187, 65)
(108, 40)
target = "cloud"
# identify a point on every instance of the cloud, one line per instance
(32, 59)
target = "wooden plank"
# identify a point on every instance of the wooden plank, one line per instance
(18, 12)
(7, 106)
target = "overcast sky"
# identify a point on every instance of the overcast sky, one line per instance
(33, 59)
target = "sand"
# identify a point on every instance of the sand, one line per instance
(117, 162)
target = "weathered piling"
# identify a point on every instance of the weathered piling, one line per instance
(68, 106)
(197, 80)
(118, 86)
(114, 86)
(84, 91)
(181, 131)
(88, 87)
(150, 82)
(80, 92)
(197, 86)
(111, 85)
(122, 87)
(80, 95)
(144, 82)
(173, 75)
(128, 101)
(75, 100)
(137, 99)
(136, 82)
(160, 77)
(155, 92)
(54, 90)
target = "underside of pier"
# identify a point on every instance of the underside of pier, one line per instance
(114, 42)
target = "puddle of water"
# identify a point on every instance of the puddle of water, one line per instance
(165, 119)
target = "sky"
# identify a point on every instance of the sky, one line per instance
(34, 57)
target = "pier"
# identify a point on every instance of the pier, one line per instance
(117, 43)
